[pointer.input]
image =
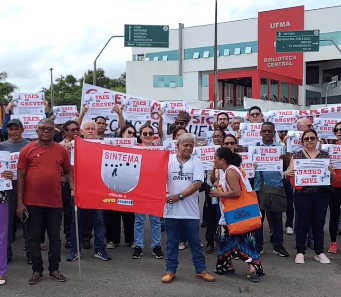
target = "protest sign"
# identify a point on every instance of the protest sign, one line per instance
(28, 103)
(250, 133)
(206, 155)
(14, 158)
(30, 123)
(65, 113)
(5, 184)
(122, 179)
(247, 165)
(334, 152)
(312, 172)
(122, 142)
(284, 120)
(100, 104)
(324, 127)
(267, 158)
(171, 145)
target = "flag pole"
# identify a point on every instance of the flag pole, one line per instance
(77, 239)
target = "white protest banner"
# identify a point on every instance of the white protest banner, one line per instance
(334, 152)
(14, 158)
(171, 145)
(250, 133)
(150, 148)
(206, 155)
(122, 142)
(5, 184)
(294, 143)
(28, 103)
(112, 123)
(267, 158)
(325, 127)
(100, 104)
(30, 123)
(173, 108)
(65, 113)
(247, 165)
(312, 172)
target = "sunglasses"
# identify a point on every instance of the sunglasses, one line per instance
(130, 132)
(337, 130)
(180, 123)
(229, 143)
(309, 138)
(267, 131)
(45, 128)
(254, 115)
(145, 134)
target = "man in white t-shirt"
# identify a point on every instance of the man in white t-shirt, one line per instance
(185, 176)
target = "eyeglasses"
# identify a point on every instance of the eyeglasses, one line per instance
(49, 129)
(73, 130)
(229, 143)
(130, 132)
(217, 136)
(313, 138)
(336, 130)
(255, 114)
(222, 120)
(145, 134)
(267, 131)
(180, 123)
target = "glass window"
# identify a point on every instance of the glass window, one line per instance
(264, 88)
(294, 94)
(274, 90)
(285, 92)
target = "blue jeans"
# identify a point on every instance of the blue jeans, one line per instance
(99, 228)
(173, 231)
(311, 208)
(155, 223)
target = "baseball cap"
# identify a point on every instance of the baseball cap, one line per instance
(15, 122)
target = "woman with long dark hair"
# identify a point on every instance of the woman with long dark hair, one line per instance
(233, 246)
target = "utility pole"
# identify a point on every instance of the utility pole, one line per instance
(216, 93)
(52, 99)
(94, 76)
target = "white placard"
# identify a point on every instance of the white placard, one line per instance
(99, 104)
(268, 163)
(30, 123)
(14, 158)
(312, 172)
(171, 145)
(206, 155)
(250, 133)
(334, 152)
(122, 142)
(28, 103)
(65, 113)
(247, 165)
(324, 127)
(5, 184)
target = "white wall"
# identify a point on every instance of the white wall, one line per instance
(269, 105)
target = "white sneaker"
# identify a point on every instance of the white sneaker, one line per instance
(182, 245)
(322, 258)
(299, 258)
(2, 282)
(290, 231)
(110, 245)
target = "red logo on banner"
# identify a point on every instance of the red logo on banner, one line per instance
(117, 178)
(270, 22)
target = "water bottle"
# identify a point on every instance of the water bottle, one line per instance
(214, 199)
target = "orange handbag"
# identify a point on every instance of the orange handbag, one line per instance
(242, 213)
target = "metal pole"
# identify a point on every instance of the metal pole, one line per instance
(215, 56)
(52, 99)
(77, 239)
(94, 76)
(332, 41)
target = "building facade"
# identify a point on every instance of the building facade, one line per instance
(248, 65)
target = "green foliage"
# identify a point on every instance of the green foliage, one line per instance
(68, 90)
(6, 88)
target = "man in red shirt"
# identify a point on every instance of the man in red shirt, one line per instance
(39, 194)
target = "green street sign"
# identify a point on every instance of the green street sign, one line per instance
(146, 36)
(298, 41)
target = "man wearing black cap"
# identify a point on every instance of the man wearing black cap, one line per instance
(14, 144)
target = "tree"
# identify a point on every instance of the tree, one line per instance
(6, 88)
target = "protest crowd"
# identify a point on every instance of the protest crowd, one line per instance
(251, 166)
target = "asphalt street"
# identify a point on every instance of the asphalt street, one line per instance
(123, 276)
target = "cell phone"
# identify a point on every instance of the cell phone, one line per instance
(25, 217)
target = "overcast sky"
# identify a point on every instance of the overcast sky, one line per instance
(67, 35)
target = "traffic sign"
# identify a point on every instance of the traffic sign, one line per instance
(146, 36)
(298, 41)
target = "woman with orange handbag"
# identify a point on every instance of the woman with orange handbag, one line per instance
(241, 245)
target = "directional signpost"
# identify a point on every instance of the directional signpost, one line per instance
(297, 41)
(146, 36)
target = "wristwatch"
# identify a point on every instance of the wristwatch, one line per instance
(181, 196)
